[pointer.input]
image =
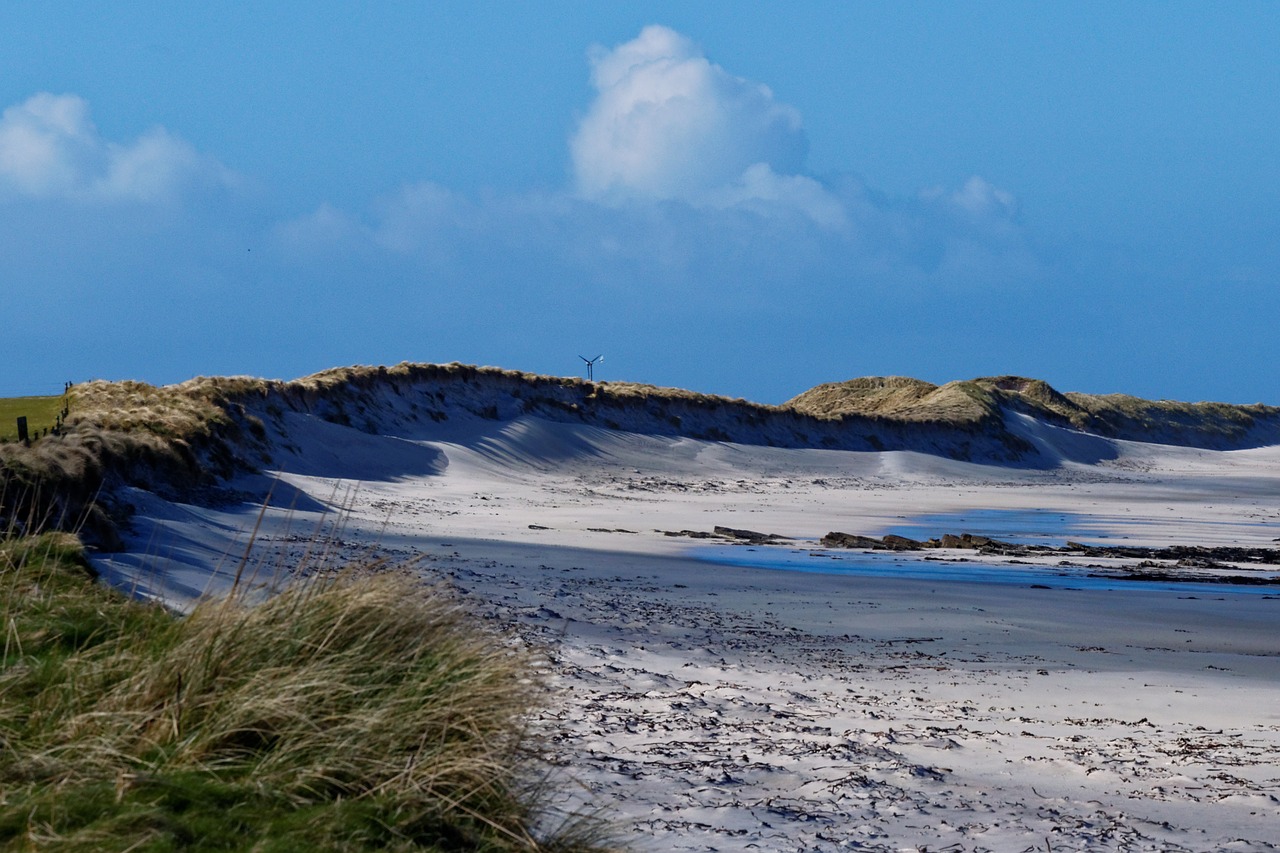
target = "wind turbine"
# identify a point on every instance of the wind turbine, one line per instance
(591, 363)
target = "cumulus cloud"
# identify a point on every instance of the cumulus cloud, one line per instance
(667, 123)
(761, 188)
(51, 149)
(724, 157)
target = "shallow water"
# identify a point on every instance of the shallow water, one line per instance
(1032, 526)
(897, 565)
(1024, 526)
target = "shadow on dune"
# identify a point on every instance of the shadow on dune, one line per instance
(318, 448)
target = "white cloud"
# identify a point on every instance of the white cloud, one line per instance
(977, 198)
(669, 124)
(50, 149)
(761, 188)
(722, 158)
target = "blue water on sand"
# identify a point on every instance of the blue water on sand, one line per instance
(1024, 526)
(1033, 527)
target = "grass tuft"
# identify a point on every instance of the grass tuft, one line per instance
(358, 712)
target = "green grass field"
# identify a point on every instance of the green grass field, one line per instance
(40, 413)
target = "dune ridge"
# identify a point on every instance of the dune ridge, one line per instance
(984, 401)
(188, 438)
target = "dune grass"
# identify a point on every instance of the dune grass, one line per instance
(41, 414)
(360, 712)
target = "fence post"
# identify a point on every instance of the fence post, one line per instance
(22, 430)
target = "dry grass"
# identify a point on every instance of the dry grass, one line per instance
(362, 712)
(359, 377)
(870, 395)
(193, 413)
(978, 401)
(174, 440)
(898, 398)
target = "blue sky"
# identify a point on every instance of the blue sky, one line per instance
(746, 199)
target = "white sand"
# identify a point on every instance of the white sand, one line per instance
(717, 707)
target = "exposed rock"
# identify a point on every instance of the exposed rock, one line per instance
(835, 539)
(1181, 556)
(964, 540)
(1196, 555)
(751, 536)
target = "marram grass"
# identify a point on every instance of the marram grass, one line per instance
(363, 712)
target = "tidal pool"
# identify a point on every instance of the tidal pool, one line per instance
(1024, 526)
(898, 565)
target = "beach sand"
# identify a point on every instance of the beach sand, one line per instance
(705, 706)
